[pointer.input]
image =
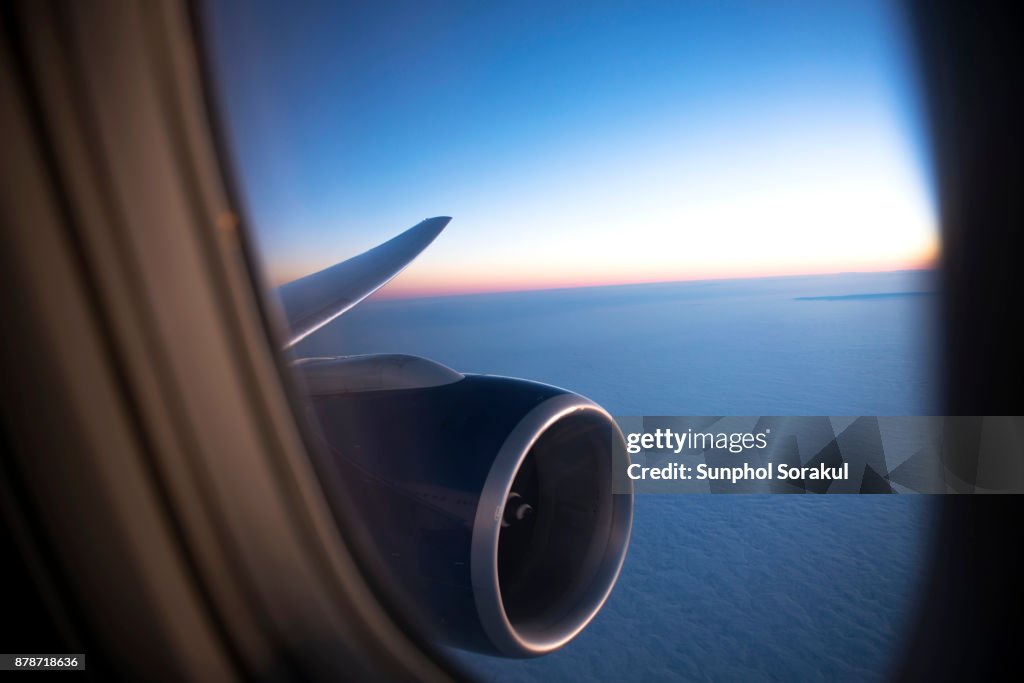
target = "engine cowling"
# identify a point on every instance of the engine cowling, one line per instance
(488, 498)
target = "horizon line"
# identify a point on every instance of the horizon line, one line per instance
(404, 295)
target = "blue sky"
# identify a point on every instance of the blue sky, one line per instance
(577, 143)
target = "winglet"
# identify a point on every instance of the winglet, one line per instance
(315, 300)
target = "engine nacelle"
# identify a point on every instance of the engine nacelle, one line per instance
(489, 498)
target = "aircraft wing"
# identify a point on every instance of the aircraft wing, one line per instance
(314, 300)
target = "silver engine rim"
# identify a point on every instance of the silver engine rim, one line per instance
(487, 527)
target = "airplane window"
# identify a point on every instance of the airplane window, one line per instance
(670, 209)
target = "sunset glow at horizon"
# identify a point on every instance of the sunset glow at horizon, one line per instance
(413, 284)
(581, 146)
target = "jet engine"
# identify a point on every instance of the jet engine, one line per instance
(490, 499)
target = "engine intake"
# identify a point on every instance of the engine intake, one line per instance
(540, 577)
